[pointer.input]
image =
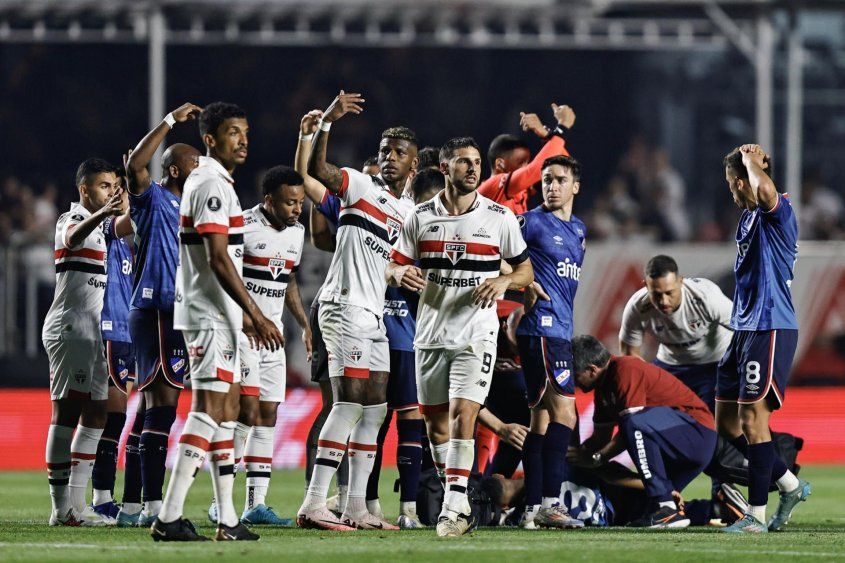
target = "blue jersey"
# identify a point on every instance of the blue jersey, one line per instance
(556, 248)
(767, 247)
(155, 219)
(114, 319)
(330, 207)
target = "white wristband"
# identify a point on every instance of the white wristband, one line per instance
(170, 120)
(325, 126)
(307, 137)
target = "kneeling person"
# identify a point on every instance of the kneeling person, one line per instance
(666, 429)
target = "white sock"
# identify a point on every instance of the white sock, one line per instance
(222, 456)
(131, 507)
(669, 504)
(788, 482)
(190, 454)
(374, 508)
(152, 507)
(362, 455)
(83, 453)
(549, 502)
(241, 434)
(408, 508)
(342, 497)
(458, 466)
(58, 466)
(102, 497)
(330, 449)
(258, 460)
(758, 512)
(438, 454)
(530, 512)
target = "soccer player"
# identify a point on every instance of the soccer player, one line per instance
(351, 310)
(459, 238)
(556, 242)
(74, 345)
(754, 371)
(211, 307)
(120, 356)
(667, 430)
(162, 358)
(689, 317)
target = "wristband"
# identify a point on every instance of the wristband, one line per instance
(557, 131)
(307, 137)
(325, 126)
(170, 120)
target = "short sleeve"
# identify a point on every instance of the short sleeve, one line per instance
(209, 208)
(719, 306)
(781, 212)
(512, 246)
(354, 185)
(631, 331)
(404, 250)
(68, 223)
(603, 412)
(143, 200)
(330, 208)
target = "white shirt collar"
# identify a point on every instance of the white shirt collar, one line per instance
(217, 167)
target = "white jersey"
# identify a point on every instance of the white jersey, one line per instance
(697, 333)
(270, 257)
(370, 220)
(80, 281)
(457, 253)
(209, 205)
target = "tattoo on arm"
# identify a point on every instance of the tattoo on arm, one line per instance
(328, 174)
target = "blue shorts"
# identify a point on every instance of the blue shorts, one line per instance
(756, 363)
(319, 354)
(120, 359)
(546, 362)
(159, 348)
(402, 384)
(700, 378)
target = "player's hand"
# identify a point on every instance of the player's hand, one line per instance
(513, 434)
(114, 206)
(533, 293)
(410, 277)
(505, 364)
(306, 340)
(579, 456)
(679, 500)
(310, 121)
(268, 333)
(126, 156)
(186, 112)
(489, 291)
(531, 122)
(564, 115)
(344, 103)
(249, 330)
(754, 154)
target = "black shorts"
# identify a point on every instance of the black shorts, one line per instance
(756, 363)
(546, 361)
(159, 348)
(120, 359)
(319, 354)
(402, 385)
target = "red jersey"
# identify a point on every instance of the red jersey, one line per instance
(631, 384)
(511, 189)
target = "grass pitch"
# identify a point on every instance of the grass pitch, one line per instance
(816, 533)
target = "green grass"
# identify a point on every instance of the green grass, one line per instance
(816, 533)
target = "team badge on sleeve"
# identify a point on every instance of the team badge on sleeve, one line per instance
(214, 203)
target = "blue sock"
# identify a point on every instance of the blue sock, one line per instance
(375, 474)
(105, 465)
(532, 463)
(698, 511)
(157, 423)
(132, 471)
(554, 458)
(778, 467)
(761, 458)
(409, 458)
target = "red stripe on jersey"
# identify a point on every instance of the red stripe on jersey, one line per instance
(472, 247)
(330, 444)
(222, 445)
(369, 209)
(236, 221)
(256, 459)
(212, 228)
(400, 258)
(250, 391)
(89, 253)
(263, 261)
(194, 440)
(225, 375)
(80, 455)
(456, 471)
(362, 447)
(357, 373)
(344, 183)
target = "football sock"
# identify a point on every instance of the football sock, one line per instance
(58, 466)
(532, 463)
(781, 476)
(760, 460)
(427, 458)
(439, 452)
(374, 507)
(362, 455)
(409, 458)
(190, 454)
(241, 434)
(83, 452)
(458, 465)
(555, 444)
(153, 448)
(787, 482)
(668, 504)
(311, 444)
(375, 474)
(258, 460)
(105, 466)
(222, 456)
(758, 512)
(330, 449)
(132, 469)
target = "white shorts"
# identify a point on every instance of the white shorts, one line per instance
(77, 369)
(263, 373)
(463, 373)
(355, 340)
(213, 355)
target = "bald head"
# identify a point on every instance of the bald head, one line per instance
(178, 161)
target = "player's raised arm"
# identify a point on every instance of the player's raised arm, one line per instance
(308, 127)
(293, 302)
(137, 175)
(328, 174)
(755, 160)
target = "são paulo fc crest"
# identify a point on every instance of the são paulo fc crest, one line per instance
(393, 227)
(455, 251)
(275, 265)
(355, 355)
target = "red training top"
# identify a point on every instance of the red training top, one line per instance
(631, 384)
